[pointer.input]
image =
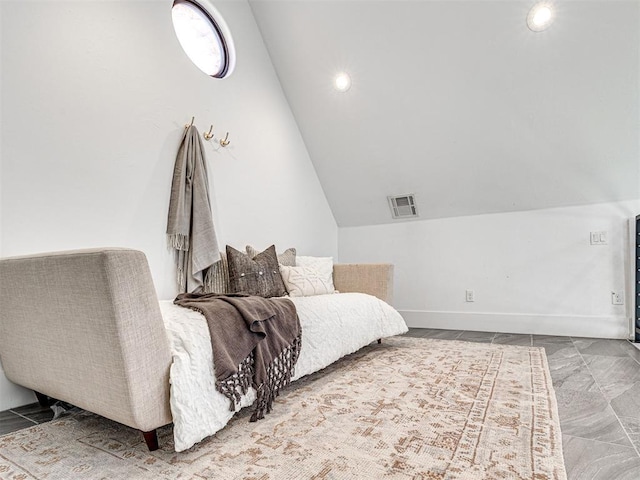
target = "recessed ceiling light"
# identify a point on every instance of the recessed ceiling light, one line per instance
(342, 82)
(540, 16)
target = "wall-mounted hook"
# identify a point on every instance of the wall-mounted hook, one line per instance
(225, 141)
(209, 134)
(190, 124)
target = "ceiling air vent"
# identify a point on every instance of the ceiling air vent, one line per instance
(403, 206)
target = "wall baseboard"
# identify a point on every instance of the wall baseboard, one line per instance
(540, 324)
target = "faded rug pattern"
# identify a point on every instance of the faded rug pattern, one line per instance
(410, 408)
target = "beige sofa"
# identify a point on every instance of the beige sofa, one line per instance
(85, 327)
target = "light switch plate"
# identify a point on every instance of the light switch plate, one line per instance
(599, 238)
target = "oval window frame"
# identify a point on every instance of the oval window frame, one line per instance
(219, 26)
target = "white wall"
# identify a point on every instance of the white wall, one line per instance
(98, 94)
(9, 394)
(532, 272)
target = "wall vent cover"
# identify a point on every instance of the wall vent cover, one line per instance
(403, 206)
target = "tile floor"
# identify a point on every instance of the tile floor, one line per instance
(597, 384)
(23, 417)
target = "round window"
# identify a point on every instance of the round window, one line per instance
(200, 33)
(540, 16)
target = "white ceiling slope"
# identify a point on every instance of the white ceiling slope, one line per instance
(459, 103)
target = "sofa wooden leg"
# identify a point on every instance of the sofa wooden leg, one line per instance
(379, 341)
(151, 439)
(43, 400)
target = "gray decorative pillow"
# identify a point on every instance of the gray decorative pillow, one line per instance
(286, 258)
(217, 278)
(259, 275)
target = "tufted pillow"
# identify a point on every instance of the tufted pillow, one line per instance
(307, 281)
(288, 257)
(259, 275)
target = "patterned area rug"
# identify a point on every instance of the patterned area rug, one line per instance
(407, 409)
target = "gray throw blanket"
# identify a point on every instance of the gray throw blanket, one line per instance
(255, 341)
(190, 224)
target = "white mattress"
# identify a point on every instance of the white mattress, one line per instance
(332, 326)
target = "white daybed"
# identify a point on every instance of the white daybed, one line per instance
(86, 327)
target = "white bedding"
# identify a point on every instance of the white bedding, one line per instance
(333, 326)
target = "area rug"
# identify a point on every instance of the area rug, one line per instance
(407, 409)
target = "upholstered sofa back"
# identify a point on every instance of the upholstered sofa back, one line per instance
(373, 278)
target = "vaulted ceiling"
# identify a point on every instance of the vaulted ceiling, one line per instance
(460, 103)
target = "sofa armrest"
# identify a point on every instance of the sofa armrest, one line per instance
(85, 327)
(373, 278)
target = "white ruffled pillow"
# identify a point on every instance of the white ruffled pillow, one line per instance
(308, 280)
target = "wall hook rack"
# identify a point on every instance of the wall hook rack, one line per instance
(190, 124)
(209, 134)
(225, 141)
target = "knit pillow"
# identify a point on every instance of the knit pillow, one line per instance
(307, 281)
(259, 275)
(217, 278)
(288, 257)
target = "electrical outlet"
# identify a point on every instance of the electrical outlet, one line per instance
(617, 298)
(470, 296)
